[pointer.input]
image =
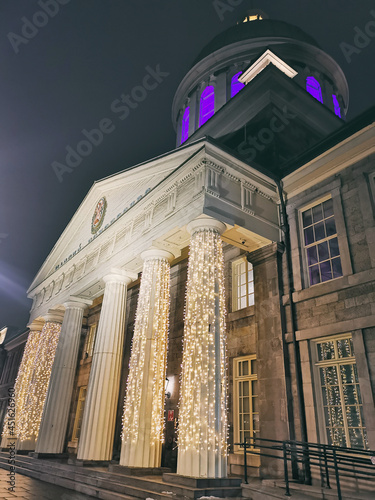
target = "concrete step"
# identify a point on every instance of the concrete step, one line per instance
(102, 483)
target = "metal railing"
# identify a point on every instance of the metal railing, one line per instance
(329, 461)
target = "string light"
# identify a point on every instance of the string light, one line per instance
(203, 395)
(151, 325)
(23, 381)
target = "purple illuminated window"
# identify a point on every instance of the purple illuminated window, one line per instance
(236, 86)
(336, 105)
(207, 104)
(185, 125)
(313, 88)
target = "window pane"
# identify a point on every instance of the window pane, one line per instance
(312, 257)
(323, 251)
(309, 235)
(334, 247)
(336, 267)
(353, 416)
(313, 88)
(326, 350)
(325, 271)
(328, 208)
(245, 387)
(319, 231)
(254, 368)
(307, 218)
(236, 86)
(251, 300)
(343, 347)
(317, 213)
(246, 405)
(356, 438)
(314, 275)
(245, 368)
(330, 226)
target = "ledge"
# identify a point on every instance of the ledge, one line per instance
(242, 313)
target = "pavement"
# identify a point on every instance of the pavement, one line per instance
(33, 489)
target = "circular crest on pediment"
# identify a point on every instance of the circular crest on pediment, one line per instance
(99, 213)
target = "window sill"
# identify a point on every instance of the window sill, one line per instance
(241, 313)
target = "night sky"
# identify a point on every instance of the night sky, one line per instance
(66, 77)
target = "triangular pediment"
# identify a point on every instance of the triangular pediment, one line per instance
(106, 201)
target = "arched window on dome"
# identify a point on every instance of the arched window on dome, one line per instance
(207, 104)
(313, 88)
(336, 105)
(236, 85)
(185, 125)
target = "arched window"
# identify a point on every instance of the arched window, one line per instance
(336, 105)
(236, 86)
(313, 88)
(207, 104)
(185, 125)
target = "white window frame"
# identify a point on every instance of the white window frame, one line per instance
(317, 364)
(249, 284)
(251, 377)
(304, 247)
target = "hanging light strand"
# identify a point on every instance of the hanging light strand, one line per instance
(203, 394)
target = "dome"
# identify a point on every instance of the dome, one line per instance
(261, 28)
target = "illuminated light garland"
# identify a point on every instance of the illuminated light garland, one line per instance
(147, 368)
(203, 428)
(36, 391)
(22, 383)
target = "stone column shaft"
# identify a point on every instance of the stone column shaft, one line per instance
(56, 409)
(98, 424)
(143, 421)
(202, 443)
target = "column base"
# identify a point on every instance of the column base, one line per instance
(138, 471)
(26, 446)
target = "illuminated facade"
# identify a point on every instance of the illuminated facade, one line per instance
(192, 274)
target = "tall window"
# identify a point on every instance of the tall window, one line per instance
(321, 243)
(246, 412)
(185, 125)
(313, 88)
(342, 403)
(236, 85)
(242, 284)
(207, 104)
(336, 105)
(90, 341)
(79, 413)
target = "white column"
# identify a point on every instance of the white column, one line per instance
(39, 381)
(56, 409)
(143, 420)
(22, 384)
(98, 424)
(202, 442)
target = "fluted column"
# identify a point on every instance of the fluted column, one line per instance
(39, 381)
(98, 424)
(56, 409)
(143, 419)
(22, 383)
(202, 442)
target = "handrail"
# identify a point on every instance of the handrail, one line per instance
(325, 457)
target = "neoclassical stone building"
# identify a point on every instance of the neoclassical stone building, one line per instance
(223, 290)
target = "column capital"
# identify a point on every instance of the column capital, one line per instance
(206, 223)
(157, 253)
(54, 316)
(120, 276)
(77, 303)
(36, 325)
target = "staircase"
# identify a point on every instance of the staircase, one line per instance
(99, 482)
